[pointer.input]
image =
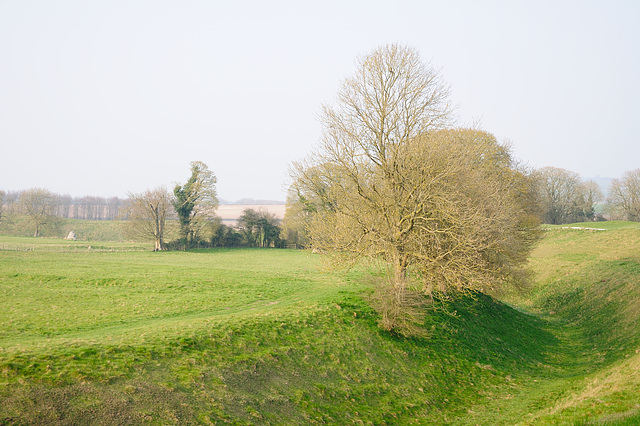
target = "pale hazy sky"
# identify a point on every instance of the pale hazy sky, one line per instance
(106, 97)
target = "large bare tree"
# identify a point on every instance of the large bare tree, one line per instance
(146, 215)
(445, 209)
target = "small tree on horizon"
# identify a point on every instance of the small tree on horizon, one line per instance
(39, 205)
(146, 215)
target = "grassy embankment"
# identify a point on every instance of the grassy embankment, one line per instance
(108, 233)
(258, 336)
(86, 230)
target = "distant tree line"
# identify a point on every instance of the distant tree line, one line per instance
(254, 228)
(88, 208)
(64, 206)
(624, 196)
(42, 210)
(189, 210)
(565, 198)
(194, 204)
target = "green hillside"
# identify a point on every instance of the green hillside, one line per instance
(259, 336)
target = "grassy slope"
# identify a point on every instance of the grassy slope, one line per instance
(588, 293)
(255, 336)
(590, 290)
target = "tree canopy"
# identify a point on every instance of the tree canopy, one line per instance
(564, 197)
(259, 228)
(445, 209)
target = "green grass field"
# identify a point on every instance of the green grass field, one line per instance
(110, 335)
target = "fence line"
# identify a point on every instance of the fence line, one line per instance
(72, 249)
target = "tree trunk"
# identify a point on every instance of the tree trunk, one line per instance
(400, 270)
(159, 246)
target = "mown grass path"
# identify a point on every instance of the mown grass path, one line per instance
(48, 295)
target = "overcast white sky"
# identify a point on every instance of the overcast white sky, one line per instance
(106, 97)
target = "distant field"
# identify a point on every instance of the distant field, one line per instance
(12, 243)
(231, 212)
(259, 336)
(85, 230)
(113, 230)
